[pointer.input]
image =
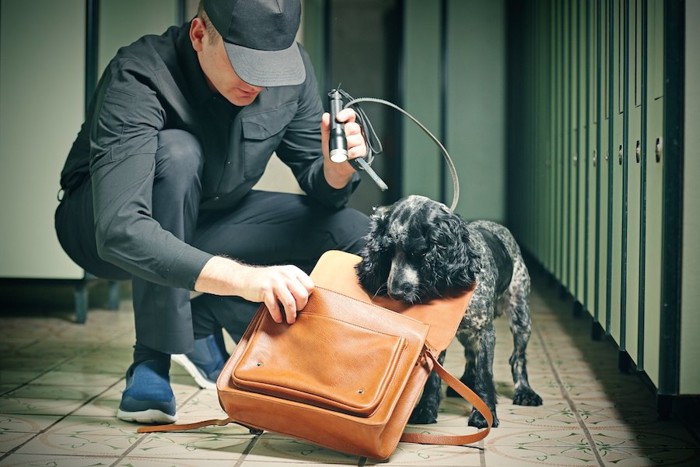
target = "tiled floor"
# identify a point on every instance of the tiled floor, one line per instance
(60, 385)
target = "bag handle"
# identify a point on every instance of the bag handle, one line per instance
(469, 395)
(419, 438)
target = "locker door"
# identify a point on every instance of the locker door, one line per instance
(565, 155)
(554, 150)
(543, 143)
(634, 198)
(421, 59)
(689, 381)
(475, 77)
(593, 152)
(581, 152)
(604, 162)
(617, 162)
(539, 174)
(653, 164)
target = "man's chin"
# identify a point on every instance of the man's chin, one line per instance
(242, 101)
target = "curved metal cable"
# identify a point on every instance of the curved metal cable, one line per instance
(372, 138)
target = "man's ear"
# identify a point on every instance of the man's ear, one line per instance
(198, 32)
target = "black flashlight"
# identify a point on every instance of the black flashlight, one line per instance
(338, 145)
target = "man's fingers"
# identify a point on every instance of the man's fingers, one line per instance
(346, 115)
(356, 145)
(305, 281)
(295, 293)
(300, 295)
(288, 292)
(325, 121)
(273, 308)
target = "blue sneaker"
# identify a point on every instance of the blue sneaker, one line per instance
(204, 363)
(148, 397)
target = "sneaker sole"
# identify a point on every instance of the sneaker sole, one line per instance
(149, 416)
(192, 370)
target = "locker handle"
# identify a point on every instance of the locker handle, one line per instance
(619, 155)
(659, 149)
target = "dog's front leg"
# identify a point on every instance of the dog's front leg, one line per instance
(520, 324)
(483, 342)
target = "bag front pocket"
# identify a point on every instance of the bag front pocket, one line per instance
(321, 361)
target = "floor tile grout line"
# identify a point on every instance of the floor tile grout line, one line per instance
(43, 373)
(91, 349)
(247, 450)
(62, 417)
(145, 436)
(567, 396)
(56, 422)
(482, 453)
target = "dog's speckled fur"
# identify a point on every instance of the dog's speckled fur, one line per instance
(417, 250)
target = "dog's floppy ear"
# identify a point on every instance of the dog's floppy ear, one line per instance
(373, 270)
(472, 257)
(456, 266)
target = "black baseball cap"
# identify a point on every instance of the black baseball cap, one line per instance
(259, 37)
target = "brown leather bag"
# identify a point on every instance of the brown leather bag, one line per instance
(346, 375)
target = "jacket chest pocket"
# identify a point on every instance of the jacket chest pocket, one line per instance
(262, 133)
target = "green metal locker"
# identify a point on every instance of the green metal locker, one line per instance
(618, 73)
(556, 139)
(593, 157)
(542, 176)
(689, 380)
(604, 99)
(422, 89)
(620, 194)
(635, 112)
(580, 157)
(565, 153)
(653, 165)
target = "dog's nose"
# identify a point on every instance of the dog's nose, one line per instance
(401, 290)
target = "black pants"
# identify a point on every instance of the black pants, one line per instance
(265, 228)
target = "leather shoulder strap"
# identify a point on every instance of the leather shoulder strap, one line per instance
(420, 438)
(467, 394)
(194, 426)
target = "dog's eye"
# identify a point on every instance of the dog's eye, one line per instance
(416, 253)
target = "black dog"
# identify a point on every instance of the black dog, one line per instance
(417, 250)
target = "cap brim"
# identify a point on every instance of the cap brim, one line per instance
(267, 68)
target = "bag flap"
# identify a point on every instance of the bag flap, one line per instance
(335, 270)
(340, 354)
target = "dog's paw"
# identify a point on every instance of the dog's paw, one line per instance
(526, 396)
(423, 415)
(477, 420)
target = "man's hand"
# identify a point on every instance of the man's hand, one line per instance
(338, 175)
(284, 289)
